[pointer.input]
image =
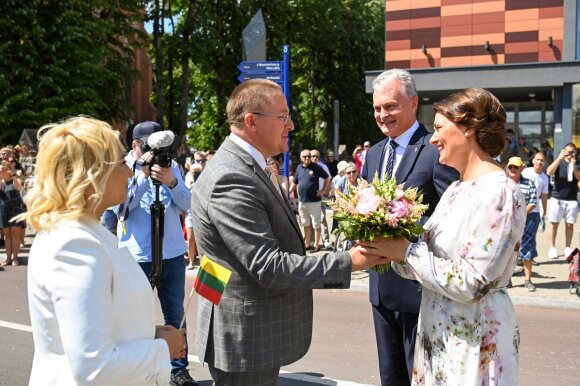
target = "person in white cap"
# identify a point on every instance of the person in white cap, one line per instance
(339, 179)
(363, 154)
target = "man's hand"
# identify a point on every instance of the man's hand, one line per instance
(163, 175)
(147, 158)
(364, 258)
(394, 248)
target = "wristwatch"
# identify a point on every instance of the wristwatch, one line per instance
(173, 185)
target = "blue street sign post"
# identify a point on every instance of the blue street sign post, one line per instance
(276, 77)
(278, 72)
(286, 88)
(261, 66)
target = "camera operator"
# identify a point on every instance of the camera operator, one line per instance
(134, 230)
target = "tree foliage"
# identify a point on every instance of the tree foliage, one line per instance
(332, 43)
(60, 58)
(69, 57)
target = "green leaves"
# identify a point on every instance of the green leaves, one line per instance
(64, 58)
(332, 43)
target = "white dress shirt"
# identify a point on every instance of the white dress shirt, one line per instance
(402, 143)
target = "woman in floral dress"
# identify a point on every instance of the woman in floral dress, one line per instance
(467, 332)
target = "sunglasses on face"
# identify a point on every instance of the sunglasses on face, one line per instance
(512, 167)
(306, 156)
(200, 161)
(351, 172)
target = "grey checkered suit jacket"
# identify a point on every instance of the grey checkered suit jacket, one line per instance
(264, 319)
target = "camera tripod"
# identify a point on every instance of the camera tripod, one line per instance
(157, 225)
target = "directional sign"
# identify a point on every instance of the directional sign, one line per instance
(273, 76)
(250, 67)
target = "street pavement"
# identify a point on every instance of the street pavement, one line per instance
(343, 342)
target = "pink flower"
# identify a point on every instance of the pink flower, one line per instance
(368, 201)
(400, 208)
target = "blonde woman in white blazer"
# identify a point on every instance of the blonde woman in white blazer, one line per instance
(91, 307)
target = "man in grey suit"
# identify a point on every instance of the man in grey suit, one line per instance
(243, 222)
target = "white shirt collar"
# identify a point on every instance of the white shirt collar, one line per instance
(251, 150)
(404, 139)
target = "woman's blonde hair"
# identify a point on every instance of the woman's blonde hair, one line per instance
(75, 157)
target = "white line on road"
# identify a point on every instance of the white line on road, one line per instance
(195, 358)
(15, 326)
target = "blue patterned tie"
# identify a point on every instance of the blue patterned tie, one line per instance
(391, 159)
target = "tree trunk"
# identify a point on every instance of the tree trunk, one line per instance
(185, 68)
(157, 35)
(171, 118)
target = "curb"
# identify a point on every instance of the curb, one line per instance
(530, 301)
(517, 300)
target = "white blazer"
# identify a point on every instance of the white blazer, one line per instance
(92, 311)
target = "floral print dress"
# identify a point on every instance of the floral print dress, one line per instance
(467, 332)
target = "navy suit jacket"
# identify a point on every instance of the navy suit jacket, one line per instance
(419, 168)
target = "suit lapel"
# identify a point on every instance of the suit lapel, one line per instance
(412, 151)
(374, 166)
(261, 174)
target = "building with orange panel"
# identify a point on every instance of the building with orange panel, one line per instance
(527, 52)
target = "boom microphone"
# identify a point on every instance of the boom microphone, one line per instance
(161, 139)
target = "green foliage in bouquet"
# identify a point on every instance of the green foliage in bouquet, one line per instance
(381, 208)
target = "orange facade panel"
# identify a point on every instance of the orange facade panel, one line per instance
(449, 21)
(426, 63)
(550, 12)
(456, 41)
(399, 54)
(426, 22)
(553, 54)
(552, 23)
(398, 5)
(398, 45)
(490, 59)
(415, 4)
(556, 34)
(454, 2)
(458, 61)
(523, 14)
(486, 6)
(455, 31)
(459, 9)
(418, 54)
(492, 38)
(521, 47)
(488, 28)
(521, 25)
(397, 25)
(489, 18)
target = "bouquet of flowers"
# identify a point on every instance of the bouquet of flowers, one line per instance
(381, 208)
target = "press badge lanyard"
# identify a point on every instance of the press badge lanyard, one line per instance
(124, 208)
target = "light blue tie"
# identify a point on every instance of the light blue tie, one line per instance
(391, 159)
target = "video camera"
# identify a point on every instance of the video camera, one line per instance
(159, 144)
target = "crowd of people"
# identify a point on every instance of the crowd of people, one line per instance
(441, 315)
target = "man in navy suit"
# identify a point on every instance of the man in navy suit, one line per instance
(407, 154)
